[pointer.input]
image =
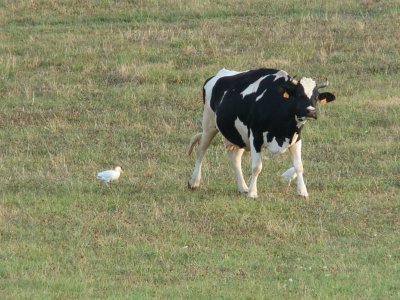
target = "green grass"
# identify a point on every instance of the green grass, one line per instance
(89, 86)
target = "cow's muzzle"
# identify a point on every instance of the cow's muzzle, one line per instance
(312, 113)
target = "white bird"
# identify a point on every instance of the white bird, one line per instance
(109, 175)
(290, 174)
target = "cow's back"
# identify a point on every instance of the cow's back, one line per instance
(227, 81)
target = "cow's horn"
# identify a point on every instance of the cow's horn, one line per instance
(294, 80)
(323, 84)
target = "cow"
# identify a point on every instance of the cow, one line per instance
(255, 109)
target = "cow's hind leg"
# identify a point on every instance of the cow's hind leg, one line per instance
(205, 140)
(235, 154)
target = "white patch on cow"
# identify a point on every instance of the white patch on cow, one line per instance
(300, 121)
(252, 88)
(274, 147)
(259, 97)
(243, 131)
(211, 83)
(310, 108)
(281, 74)
(308, 86)
(223, 96)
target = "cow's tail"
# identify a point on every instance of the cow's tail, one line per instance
(194, 141)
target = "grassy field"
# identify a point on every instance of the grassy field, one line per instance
(87, 86)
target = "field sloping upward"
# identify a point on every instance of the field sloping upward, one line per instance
(89, 86)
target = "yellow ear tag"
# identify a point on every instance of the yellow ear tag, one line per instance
(285, 95)
(323, 101)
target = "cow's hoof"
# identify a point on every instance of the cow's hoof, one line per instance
(303, 196)
(190, 187)
(252, 196)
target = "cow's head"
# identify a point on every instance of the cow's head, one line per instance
(306, 95)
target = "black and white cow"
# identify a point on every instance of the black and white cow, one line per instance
(257, 108)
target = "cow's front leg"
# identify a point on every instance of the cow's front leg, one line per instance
(235, 155)
(295, 153)
(256, 163)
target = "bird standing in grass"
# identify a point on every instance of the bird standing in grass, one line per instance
(290, 175)
(109, 175)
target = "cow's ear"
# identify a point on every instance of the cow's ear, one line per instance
(326, 97)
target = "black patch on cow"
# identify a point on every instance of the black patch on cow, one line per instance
(204, 90)
(226, 117)
(258, 140)
(269, 137)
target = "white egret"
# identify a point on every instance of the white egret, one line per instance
(109, 175)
